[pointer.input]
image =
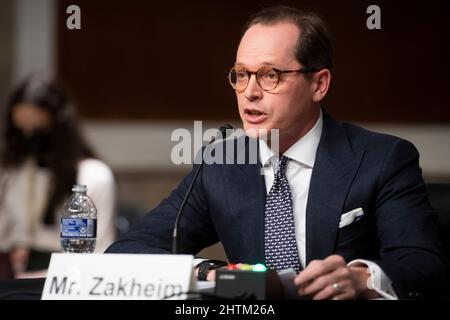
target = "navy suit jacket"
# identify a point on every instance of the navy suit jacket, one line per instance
(353, 168)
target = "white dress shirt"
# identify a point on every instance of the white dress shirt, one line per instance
(302, 155)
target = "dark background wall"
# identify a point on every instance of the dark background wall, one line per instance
(145, 60)
(6, 48)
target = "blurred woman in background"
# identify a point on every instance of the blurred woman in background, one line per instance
(43, 156)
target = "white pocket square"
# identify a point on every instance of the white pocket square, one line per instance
(350, 217)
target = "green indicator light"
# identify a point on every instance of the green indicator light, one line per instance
(259, 267)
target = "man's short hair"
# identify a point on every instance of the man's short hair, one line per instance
(314, 50)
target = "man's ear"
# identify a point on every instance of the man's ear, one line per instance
(322, 81)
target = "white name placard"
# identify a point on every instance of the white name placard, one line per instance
(97, 276)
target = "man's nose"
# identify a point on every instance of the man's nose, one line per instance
(253, 90)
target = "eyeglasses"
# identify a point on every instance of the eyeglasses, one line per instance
(266, 77)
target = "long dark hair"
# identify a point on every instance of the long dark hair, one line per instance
(65, 147)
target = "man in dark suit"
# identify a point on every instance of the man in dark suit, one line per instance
(345, 207)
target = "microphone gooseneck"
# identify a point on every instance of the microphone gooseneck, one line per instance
(225, 131)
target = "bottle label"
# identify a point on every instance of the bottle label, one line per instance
(78, 228)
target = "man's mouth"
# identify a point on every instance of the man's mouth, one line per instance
(254, 116)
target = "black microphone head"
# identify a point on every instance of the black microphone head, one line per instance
(226, 130)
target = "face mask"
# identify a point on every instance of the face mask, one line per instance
(37, 143)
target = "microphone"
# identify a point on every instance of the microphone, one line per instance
(225, 131)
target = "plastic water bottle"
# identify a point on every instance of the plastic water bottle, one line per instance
(79, 222)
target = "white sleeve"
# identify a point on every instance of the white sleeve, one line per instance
(13, 215)
(99, 179)
(378, 280)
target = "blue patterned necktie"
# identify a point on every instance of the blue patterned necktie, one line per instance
(279, 237)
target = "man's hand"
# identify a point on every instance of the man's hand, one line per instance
(332, 279)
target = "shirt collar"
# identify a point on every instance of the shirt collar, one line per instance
(302, 151)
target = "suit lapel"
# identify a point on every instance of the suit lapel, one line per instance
(248, 191)
(334, 169)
